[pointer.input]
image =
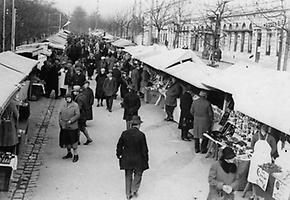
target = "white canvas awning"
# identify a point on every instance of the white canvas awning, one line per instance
(17, 63)
(192, 73)
(123, 43)
(171, 57)
(150, 51)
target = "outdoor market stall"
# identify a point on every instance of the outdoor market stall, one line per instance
(122, 43)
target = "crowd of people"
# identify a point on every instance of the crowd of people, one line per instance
(68, 74)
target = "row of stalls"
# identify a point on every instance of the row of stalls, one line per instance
(18, 83)
(259, 96)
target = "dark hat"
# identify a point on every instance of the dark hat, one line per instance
(136, 120)
(228, 153)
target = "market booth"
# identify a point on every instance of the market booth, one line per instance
(14, 111)
(259, 96)
(122, 43)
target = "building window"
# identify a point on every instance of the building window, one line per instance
(278, 42)
(250, 40)
(268, 43)
(230, 41)
(242, 41)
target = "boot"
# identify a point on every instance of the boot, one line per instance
(76, 158)
(68, 155)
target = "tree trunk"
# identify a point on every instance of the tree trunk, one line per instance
(280, 50)
(158, 35)
(287, 46)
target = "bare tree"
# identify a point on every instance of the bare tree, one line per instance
(160, 16)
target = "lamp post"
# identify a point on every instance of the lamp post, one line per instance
(3, 24)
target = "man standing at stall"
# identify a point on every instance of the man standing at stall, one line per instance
(173, 92)
(203, 118)
(132, 152)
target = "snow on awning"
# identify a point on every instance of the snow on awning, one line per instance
(17, 63)
(171, 57)
(192, 73)
(121, 43)
(150, 51)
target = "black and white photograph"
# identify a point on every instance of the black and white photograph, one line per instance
(145, 100)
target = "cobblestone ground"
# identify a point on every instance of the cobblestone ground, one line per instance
(29, 162)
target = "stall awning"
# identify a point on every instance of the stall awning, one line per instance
(10, 80)
(17, 63)
(170, 58)
(192, 73)
(135, 50)
(258, 92)
(121, 43)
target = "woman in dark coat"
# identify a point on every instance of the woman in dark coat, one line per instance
(89, 94)
(186, 118)
(100, 79)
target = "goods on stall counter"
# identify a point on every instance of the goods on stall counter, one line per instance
(6, 157)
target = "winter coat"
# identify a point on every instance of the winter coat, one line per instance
(203, 116)
(100, 79)
(124, 86)
(89, 94)
(80, 99)
(132, 150)
(110, 87)
(217, 178)
(117, 75)
(136, 78)
(186, 118)
(145, 78)
(131, 105)
(172, 94)
(69, 112)
(79, 79)
(68, 80)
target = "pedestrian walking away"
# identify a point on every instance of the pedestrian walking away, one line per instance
(131, 104)
(132, 152)
(80, 99)
(99, 94)
(69, 132)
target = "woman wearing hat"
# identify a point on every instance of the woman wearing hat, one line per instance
(223, 177)
(69, 132)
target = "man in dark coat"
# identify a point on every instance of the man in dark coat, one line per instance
(79, 77)
(100, 79)
(52, 80)
(172, 93)
(186, 118)
(80, 99)
(131, 104)
(110, 89)
(116, 73)
(132, 152)
(203, 118)
(89, 94)
(136, 78)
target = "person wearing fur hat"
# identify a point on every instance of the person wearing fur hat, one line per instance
(223, 177)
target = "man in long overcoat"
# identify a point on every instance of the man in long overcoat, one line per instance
(172, 93)
(110, 89)
(89, 94)
(203, 118)
(131, 104)
(132, 152)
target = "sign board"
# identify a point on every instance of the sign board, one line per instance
(281, 190)
(262, 178)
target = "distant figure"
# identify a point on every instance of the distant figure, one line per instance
(100, 79)
(89, 94)
(110, 89)
(132, 152)
(69, 131)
